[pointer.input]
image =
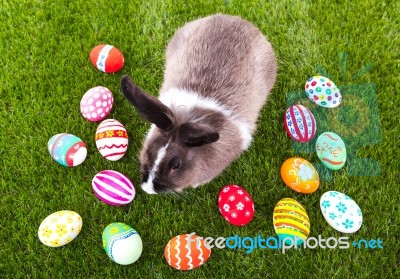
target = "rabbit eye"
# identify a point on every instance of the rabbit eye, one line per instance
(175, 165)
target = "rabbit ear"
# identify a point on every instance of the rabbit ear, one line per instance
(148, 107)
(192, 134)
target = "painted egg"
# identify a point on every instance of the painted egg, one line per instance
(300, 123)
(323, 92)
(67, 150)
(186, 252)
(97, 103)
(111, 139)
(300, 175)
(60, 228)
(331, 150)
(341, 212)
(107, 58)
(113, 188)
(122, 243)
(291, 221)
(236, 205)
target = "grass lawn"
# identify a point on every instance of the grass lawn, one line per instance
(45, 70)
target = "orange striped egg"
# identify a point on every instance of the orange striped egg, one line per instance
(291, 221)
(186, 252)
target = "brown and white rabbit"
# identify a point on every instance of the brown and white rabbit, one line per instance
(219, 71)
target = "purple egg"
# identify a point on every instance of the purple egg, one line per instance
(113, 188)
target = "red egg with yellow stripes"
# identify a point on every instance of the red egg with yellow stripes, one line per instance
(186, 252)
(107, 58)
(112, 139)
(291, 222)
(300, 123)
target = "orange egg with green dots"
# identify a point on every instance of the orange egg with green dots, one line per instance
(300, 175)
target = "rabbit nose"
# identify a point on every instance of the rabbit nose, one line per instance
(145, 177)
(158, 187)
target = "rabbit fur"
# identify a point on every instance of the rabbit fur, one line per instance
(218, 74)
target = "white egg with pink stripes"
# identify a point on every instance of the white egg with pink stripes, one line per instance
(111, 139)
(300, 123)
(113, 188)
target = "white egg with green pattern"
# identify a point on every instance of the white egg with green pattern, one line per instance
(341, 212)
(122, 243)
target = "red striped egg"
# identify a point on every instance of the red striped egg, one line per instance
(113, 188)
(111, 139)
(300, 123)
(236, 205)
(107, 58)
(186, 252)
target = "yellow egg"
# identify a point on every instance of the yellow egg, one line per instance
(60, 228)
(291, 221)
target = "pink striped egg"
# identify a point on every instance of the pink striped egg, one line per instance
(113, 188)
(300, 123)
(111, 139)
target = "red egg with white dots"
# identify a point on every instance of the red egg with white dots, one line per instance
(236, 205)
(97, 103)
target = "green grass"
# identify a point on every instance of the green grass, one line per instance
(45, 70)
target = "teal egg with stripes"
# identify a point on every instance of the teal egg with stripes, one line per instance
(122, 243)
(67, 150)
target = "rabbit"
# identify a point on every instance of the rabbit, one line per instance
(219, 71)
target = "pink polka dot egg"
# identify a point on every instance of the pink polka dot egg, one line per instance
(96, 103)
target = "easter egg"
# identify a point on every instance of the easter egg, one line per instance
(111, 139)
(96, 103)
(323, 92)
(300, 175)
(67, 150)
(186, 252)
(331, 150)
(235, 205)
(122, 243)
(341, 212)
(60, 228)
(107, 58)
(300, 123)
(113, 188)
(291, 222)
